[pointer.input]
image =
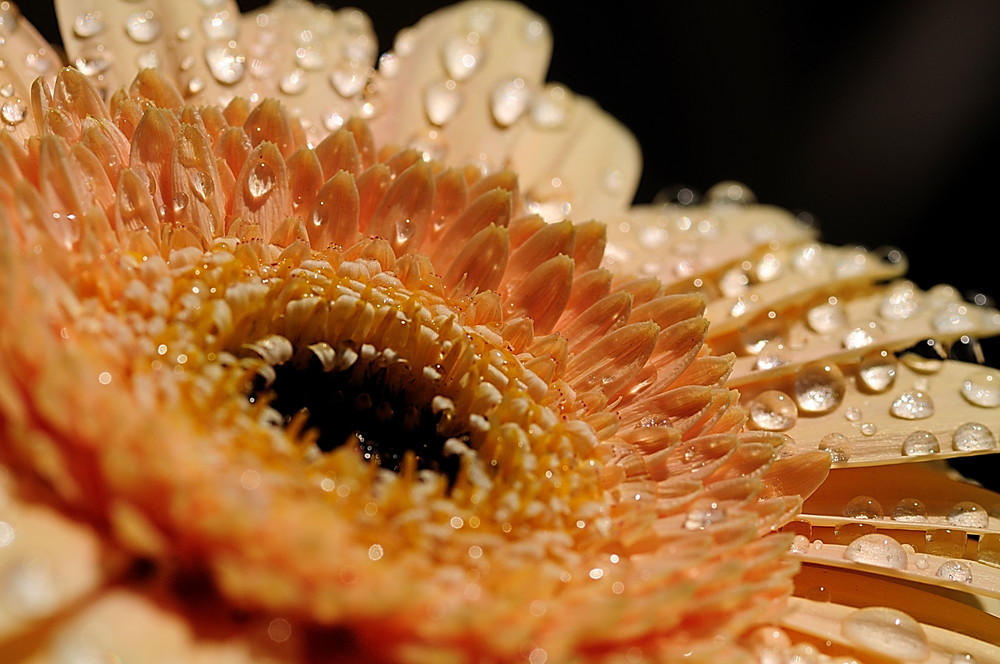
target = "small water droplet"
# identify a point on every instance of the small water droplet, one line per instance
(195, 85)
(225, 64)
(878, 550)
(826, 317)
(347, 81)
(704, 515)
(853, 264)
(853, 414)
(982, 388)
(441, 102)
(93, 60)
(142, 27)
(201, 182)
(7, 90)
(921, 442)
(180, 202)
(13, 112)
(973, 437)
(877, 371)
(462, 55)
(261, 180)
(332, 120)
(819, 387)
(901, 302)
(773, 410)
(310, 58)
(730, 193)
(910, 510)
(912, 406)
(88, 24)
(888, 632)
(968, 514)
(508, 101)
(837, 446)
(953, 319)
(955, 570)
(863, 507)
(388, 65)
(550, 108)
(962, 658)
(869, 428)
(294, 82)
(859, 337)
(404, 231)
(220, 26)
(770, 357)
(147, 60)
(8, 18)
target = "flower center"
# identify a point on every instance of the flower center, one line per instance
(352, 393)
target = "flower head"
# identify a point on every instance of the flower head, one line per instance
(313, 365)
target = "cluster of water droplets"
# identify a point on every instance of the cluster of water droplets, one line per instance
(13, 106)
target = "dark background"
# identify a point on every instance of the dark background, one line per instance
(882, 120)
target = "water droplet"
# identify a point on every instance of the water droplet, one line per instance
(901, 302)
(7, 90)
(441, 102)
(13, 112)
(310, 58)
(773, 410)
(982, 388)
(767, 268)
(462, 55)
(142, 27)
(827, 317)
(878, 550)
(921, 442)
(347, 81)
(910, 510)
(869, 428)
(220, 26)
(962, 658)
(973, 437)
(202, 184)
(729, 193)
(859, 337)
(837, 446)
(147, 60)
(533, 31)
(800, 544)
(261, 180)
(819, 387)
(945, 542)
(888, 632)
(37, 62)
(968, 514)
(863, 507)
(955, 570)
(294, 82)
(550, 107)
(195, 85)
(8, 18)
(877, 371)
(734, 282)
(953, 319)
(853, 264)
(180, 202)
(225, 63)
(770, 357)
(404, 231)
(508, 101)
(93, 60)
(912, 406)
(704, 515)
(88, 24)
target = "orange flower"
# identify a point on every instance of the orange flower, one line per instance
(273, 389)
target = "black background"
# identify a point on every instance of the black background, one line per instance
(880, 119)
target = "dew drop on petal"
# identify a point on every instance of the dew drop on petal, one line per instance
(462, 55)
(294, 82)
(827, 317)
(837, 446)
(704, 515)
(88, 24)
(877, 371)
(225, 64)
(863, 507)
(729, 192)
(901, 302)
(912, 406)
(509, 100)
(859, 337)
(888, 632)
(910, 510)
(819, 387)
(878, 550)
(868, 428)
(800, 544)
(13, 112)
(973, 437)
(921, 442)
(549, 109)
(261, 180)
(955, 570)
(968, 514)
(773, 410)
(441, 102)
(142, 27)
(220, 26)
(982, 388)
(347, 81)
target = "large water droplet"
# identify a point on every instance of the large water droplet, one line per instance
(347, 81)
(13, 112)
(888, 632)
(982, 388)
(88, 24)
(973, 437)
(225, 63)
(910, 510)
(863, 507)
(261, 180)
(955, 570)
(441, 102)
(878, 550)
(142, 27)
(877, 371)
(508, 101)
(921, 442)
(912, 406)
(901, 302)
(773, 410)
(201, 182)
(819, 387)
(462, 55)
(827, 317)
(837, 446)
(968, 514)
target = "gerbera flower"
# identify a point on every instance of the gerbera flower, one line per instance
(304, 362)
